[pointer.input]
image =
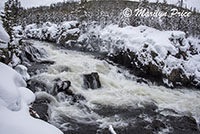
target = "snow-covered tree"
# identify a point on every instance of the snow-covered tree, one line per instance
(9, 16)
(180, 3)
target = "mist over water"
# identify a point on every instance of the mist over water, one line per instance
(118, 90)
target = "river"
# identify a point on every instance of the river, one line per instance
(128, 106)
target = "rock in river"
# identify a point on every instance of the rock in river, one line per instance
(91, 81)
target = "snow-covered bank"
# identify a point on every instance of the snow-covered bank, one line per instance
(169, 56)
(15, 99)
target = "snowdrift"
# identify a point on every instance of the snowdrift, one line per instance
(14, 101)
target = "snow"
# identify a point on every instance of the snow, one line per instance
(26, 95)
(21, 69)
(3, 34)
(48, 30)
(15, 99)
(112, 130)
(69, 24)
(15, 60)
(135, 37)
(21, 122)
(9, 93)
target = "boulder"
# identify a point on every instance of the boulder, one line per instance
(49, 62)
(184, 123)
(157, 125)
(145, 64)
(32, 54)
(40, 107)
(91, 81)
(135, 62)
(62, 86)
(78, 97)
(37, 85)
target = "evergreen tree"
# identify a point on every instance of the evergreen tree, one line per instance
(165, 1)
(9, 16)
(180, 2)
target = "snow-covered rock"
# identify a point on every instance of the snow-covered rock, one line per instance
(18, 32)
(14, 111)
(15, 60)
(30, 53)
(21, 69)
(60, 33)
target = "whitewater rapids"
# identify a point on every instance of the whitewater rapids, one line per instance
(118, 89)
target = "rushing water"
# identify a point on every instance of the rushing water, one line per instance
(119, 91)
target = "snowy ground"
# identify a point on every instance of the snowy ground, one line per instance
(15, 99)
